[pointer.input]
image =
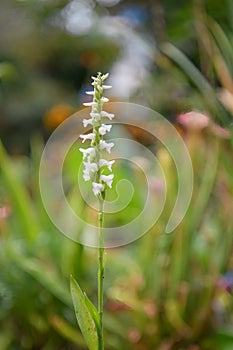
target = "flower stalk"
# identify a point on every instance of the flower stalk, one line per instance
(98, 170)
(101, 273)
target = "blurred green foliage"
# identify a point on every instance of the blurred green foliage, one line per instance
(48, 58)
(162, 290)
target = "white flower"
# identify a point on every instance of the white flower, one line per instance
(94, 78)
(104, 77)
(97, 188)
(103, 162)
(105, 87)
(108, 115)
(105, 145)
(90, 136)
(90, 167)
(90, 93)
(87, 122)
(88, 151)
(90, 104)
(108, 179)
(86, 175)
(104, 128)
(104, 99)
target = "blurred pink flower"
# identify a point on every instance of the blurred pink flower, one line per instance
(221, 132)
(194, 120)
(4, 212)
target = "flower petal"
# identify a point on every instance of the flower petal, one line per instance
(104, 99)
(97, 188)
(90, 104)
(90, 136)
(108, 164)
(107, 115)
(108, 179)
(104, 128)
(105, 145)
(86, 122)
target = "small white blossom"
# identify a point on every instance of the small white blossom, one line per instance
(91, 167)
(97, 188)
(104, 77)
(94, 78)
(108, 164)
(108, 179)
(105, 87)
(106, 146)
(85, 137)
(90, 93)
(104, 128)
(87, 151)
(104, 99)
(90, 104)
(107, 115)
(86, 175)
(86, 122)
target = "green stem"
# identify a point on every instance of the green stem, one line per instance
(101, 272)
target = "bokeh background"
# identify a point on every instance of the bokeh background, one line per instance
(176, 57)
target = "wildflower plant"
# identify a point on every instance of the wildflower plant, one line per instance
(98, 170)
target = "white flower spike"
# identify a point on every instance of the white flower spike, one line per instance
(94, 165)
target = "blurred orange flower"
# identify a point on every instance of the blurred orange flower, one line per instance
(56, 115)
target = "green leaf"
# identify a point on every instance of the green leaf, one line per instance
(84, 316)
(94, 313)
(68, 332)
(48, 278)
(21, 202)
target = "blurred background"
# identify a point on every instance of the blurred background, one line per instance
(176, 57)
(49, 49)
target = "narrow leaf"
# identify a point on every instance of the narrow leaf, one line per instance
(84, 316)
(94, 313)
(23, 206)
(68, 332)
(48, 278)
(189, 69)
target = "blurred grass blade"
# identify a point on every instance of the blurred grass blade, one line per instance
(208, 93)
(174, 317)
(209, 174)
(222, 42)
(20, 200)
(68, 332)
(48, 278)
(84, 316)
